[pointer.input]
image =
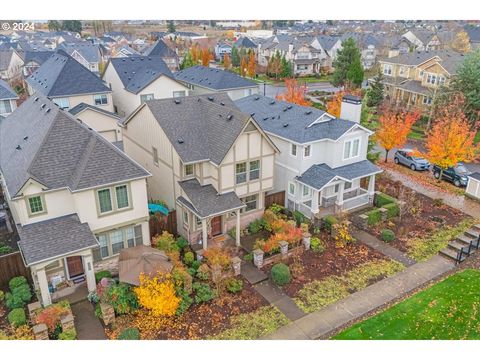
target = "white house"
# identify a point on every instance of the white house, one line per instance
(8, 99)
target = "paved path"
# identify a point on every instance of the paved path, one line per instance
(320, 323)
(382, 247)
(252, 274)
(88, 326)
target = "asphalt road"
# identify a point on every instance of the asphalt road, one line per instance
(274, 90)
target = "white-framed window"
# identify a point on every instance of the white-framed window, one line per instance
(401, 70)
(198, 221)
(351, 148)
(188, 170)
(112, 242)
(291, 188)
(307, 151)
(254, 171)
(155, 155)
(105, 200)
(431, 79)
(337, 187)
(100, 99)
(241, 173)
(347, 185)
(441, 80)
(387, 69)
(302, 67)
(146, 97)
(251, 202)
(63, 103)
(185, 217)
(293, 150)
(36, 205)
(178, 93)
(306, 191)
(427, 100)
(113, 199)
(5, 107)
(121, 195)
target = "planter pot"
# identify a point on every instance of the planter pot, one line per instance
(258, 258)
(306, 240)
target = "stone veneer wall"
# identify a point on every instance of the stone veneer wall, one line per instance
(110, 264)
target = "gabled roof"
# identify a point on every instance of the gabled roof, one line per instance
(82, 106)
(87, 50)
(61, 75)
(39, 141)
(6, 92)
(53, 238)
(159, 48)
(245, 42)
(327, 41)
(291, 121)
(214, 79)
(5, 58)
(38, 56)
(137, 72)
(200, 128)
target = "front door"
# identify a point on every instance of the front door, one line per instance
(216, 225)
(75, 266)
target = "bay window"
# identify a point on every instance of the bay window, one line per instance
(112, 242)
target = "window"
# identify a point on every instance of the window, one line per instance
(198, 221)
(111, 243)
(401, 71)
(431, 79)
(103, 240)
(307, 150)
(351, 149)
(291, 188)
(306, 191)
(155, 156)
(105, 200)
(387, 69)
(63, 103)
(130, 237)
(101, 99)
(116, 238)
(177, 93)
(5, 107)
(441, 80)
(254, 169)
(188, 170)
(347, 185)
(36, 205)
(146, 97)
(427, 100)
(337, 187)
(251, 202)
(185, 217)
(241, 173)
(293, 150)
(247, 92)
(121, 193)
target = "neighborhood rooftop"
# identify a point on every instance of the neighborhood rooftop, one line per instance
(83, 106)
(215, 79)
(450, 60)
(6, 91)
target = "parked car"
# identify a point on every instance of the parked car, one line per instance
(406, 157)
(457, 175)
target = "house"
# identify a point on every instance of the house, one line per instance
(160, 48)
(413, 78)
(209, 161)
(32, 60)
(222, 49)
(124, 51)
(202, 80)
(473, 186)
(246, 43)
(76, 199)
(137, 79)
(85, 53)
(424, 40)
(8, 99)
(67, 83)
(322, 165)
(10, 65)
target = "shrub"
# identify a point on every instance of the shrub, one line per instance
(234, 285)
(256, 226)
(185, 302)
(393, 210)
(5, 249)
(68, 335)
(203, 293)
(317, 245)
(374, 216)
(329, 221)
(196, 264)
(248, 257)
(383, 199)
(216, 256)
(16, 282)
(102, 274)
(182, 243)
(23, 291)
(276, 209)
(203, 272)
(121, 297)
(50, 316)
(158, 295)
(281, 274)
(165, 242)
(191, 271)
(188, 258)
(2, 295)
(17, 317)
(13, 302)
(98, 311)
(299, 217)
(387, 235)
(129, 334)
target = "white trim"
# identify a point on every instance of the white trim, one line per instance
(294, 188)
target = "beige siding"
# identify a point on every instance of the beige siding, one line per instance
(105, 125)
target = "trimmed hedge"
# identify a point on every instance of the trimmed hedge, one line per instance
(17, 282)
(329, 221)
(383, 199)
(393, 210)
(17, 317)
(387, 235)
(374, 216)
(281, 274)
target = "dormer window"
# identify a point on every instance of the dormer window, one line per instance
(188, 170)
(36, 205)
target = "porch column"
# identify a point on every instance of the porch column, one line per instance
(237, 230)
(341, 189)
(315, 195)
(204, 234)
(371, 185)
(43, 285)
(89, 273)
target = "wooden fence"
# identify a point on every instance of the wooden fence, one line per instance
(160, 223)
(11, 265)
(275, 198)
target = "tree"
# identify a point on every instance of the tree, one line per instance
(171, 26)
(195, 52)
(227, 63)
(274, 66)
(243, 67)
(187, 61)
(72, 25)
(375, 93)
(285, 68)
(355, 73)
(334, 106)
(206, 56)
(451, 139)
(235, 56)
(158, 295)
(54, 25)
(294, 93)
(394, 126)
(461, 42)
(251, 65)
(347, 65)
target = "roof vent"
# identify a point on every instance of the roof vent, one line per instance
(18, 147)
(48, 110)
(289, 106)
(272, 102)
(176, 101)
(42, 106)
(265, 118)
(180, 140)
(257, 97)
(285, 109)
(308, 112)
(25, 138)
(285, 125)
(210, 98)
(36, 99)
(222, 103)
(252, 114)
(230, 117)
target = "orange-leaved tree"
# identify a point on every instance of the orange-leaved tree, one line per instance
(227, 63)
(206, 56)
(195, 52)
(251, 64)
(157, 294)
(243, 67)
(334, 106)
(394, 129)
(294, 93)
(451, 139)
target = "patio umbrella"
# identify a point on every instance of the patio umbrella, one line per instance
(142, 259)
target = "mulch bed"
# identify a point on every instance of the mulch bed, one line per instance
(248, 241)
(333, 261)
(198, 322)
(430, 217)
(4, 324)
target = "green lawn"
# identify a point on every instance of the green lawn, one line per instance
(448, 310)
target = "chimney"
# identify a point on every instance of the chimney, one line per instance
(351, 108)
(290, 48)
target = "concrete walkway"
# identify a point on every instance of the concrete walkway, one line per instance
(88, 326)
(382, 247)
(321, 323)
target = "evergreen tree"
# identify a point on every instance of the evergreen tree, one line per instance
(171, 26)
(235, 56)
(72, 25)
(348, 57)
(286, 68)
(54, 25)
(375, 93)
(187, 61)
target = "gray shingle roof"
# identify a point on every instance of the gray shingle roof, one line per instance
(245, 42)
(205, 201)
(5, 58)
(6, 92)
(206, 129)
(89, 51)
(82, 106)
(53, 238)
(450, 60)
(61, 75)
(159, 48)
(38, 56)
(137, 72)
(58, 151)
(414, 86)
(292, 121)
(214, 79)
(319, 175)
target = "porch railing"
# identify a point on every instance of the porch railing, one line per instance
(356, 201)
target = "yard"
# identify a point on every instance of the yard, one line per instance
(445, 311)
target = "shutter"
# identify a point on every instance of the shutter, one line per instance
(138, 235)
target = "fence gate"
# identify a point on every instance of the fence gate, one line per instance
(160, 223)
(275, 198)
(11, 265)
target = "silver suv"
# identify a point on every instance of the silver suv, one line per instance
(405, 157)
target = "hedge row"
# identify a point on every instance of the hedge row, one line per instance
(383, 199)
(374, 216)
(393, 210)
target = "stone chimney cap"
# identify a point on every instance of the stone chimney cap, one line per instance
(352, 99)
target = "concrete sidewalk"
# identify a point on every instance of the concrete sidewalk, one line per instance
(320, 323)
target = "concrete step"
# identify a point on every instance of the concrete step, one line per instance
(456, 245)
(472, 233)
(464, 239)
(449, 253)
(476, 227)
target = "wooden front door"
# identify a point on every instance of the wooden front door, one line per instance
(216, 225)
(75, 266)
